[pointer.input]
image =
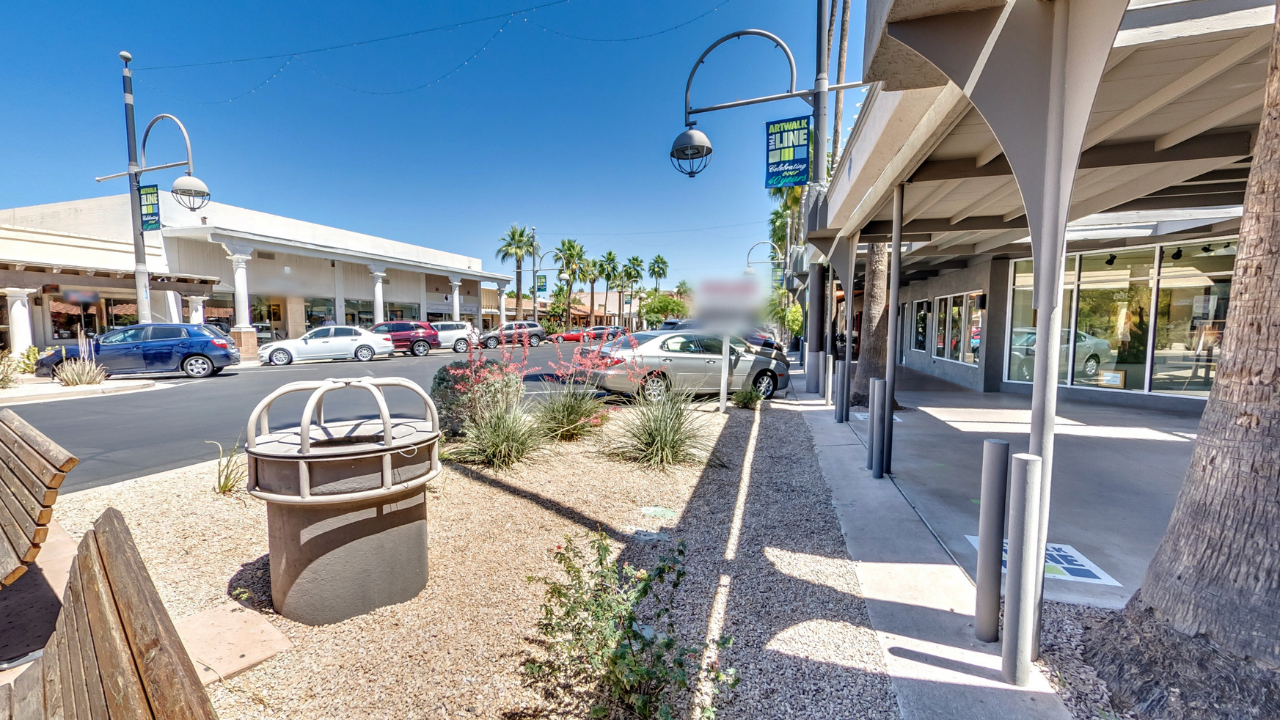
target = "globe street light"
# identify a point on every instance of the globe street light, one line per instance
(188, 190)
(691, 152)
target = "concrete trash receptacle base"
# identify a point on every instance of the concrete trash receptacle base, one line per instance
(332, 562)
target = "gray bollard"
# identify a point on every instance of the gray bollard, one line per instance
(1024, 532)
(840, 388)
(995, 483)
(877, 430)
(871, 423)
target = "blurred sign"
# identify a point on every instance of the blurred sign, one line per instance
(542, 283)
(777, 275)
(149, 196)
(728, 302)
(788, 152)
(80, 296)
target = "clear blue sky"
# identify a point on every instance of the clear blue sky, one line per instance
(564, 134)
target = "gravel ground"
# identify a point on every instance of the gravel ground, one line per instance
(788, 594)
(1062, 659)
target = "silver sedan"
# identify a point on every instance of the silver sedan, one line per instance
(654, 362)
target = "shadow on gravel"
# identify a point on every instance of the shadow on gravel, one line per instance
(572, 515)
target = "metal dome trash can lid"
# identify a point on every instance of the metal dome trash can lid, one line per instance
(346, 501)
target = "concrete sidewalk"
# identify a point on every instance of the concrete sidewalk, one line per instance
(43, 389)
(920, 602)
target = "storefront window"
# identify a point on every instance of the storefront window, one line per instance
(1022, 327)
(120, 312)
(70, 318)
(970, 348)
(401, 311)
(954, 328)
(920, 338)
(359, 312)
(940, 327)
(1191, 314)
(319, 312)
(959, 329)
(1113, 319)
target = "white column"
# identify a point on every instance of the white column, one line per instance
(378, 272)
(19, 318)
(240, 273)
(173, 305)
(339, 295)
(455, 287)
(197, 308)
(422, 297)
(502, 303)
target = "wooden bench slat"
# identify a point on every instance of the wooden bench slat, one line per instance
(6, 702)
(28, 694)
(170, 680)
(21, 544)
(27, 524)
(30, 458)
(88, 655)
(51, 669)
(64, 668)
(11, 568)
(52, 452)
(18, 476)
(120, 682)
(72, 634)
(40, 515)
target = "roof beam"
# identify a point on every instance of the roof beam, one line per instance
(1166, 202)
(1210, 69)
(1226, 113)
(941, 225)
(1225, 145)
(996, 194)
(923, 206)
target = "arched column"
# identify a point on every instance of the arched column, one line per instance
(378, 272)
(19, 302)
(455, 289)
(197, 308)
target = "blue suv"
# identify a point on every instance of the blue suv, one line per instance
(197, 350)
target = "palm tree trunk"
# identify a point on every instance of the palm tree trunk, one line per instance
(875, 323)
(1217, 571)
(591, 311)
(844, 53)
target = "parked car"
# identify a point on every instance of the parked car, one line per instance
(514, 332)
(571, 335)
(596, 332)
(414, 337)
(328, 343)
(653, 362)
(1092, 353)
(196, 350)
(457, 335)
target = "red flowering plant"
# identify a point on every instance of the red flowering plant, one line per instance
(575, 409)
(463, 388)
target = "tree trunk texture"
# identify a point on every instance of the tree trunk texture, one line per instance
(1217, 571)
(875, 323)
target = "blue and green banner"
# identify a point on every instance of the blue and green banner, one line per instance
(788, 152)
(149, 195)
(542, 283)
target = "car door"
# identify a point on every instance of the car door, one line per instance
(711, 348)
(315, 344)
(121, 351)
(163, 347)
(683, 362)
(345, 340)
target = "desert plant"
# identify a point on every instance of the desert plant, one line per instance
(499, 435)
(26, 362)
(611, 627)
(8, 370)
(748, 397)
(662, 432)
(460, 389)
(571, 413)
(80, 371)
(232, 468)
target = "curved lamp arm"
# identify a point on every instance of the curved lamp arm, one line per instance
(185, 136)
(753, 247)
(777, 41)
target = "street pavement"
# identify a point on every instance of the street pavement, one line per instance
(118, 437)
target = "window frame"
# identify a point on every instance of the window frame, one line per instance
(918, 308)
(943, 319)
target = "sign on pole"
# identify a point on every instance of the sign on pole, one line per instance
(150, 199)
(788, 152)
(542, 283)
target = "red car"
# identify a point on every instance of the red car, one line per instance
(414, 337)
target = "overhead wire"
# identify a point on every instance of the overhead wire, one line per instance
(629, 39)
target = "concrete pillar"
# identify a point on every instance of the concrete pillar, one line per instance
(173, 305)
(502, 303)
(455, 288)
(339, 295)
(295, 317)
(243, 333)
(197, 308)
(378, 272)
(18, 300)
(422, 297)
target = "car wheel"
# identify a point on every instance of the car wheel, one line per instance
(491, 343)
(766, 384)
(460, 346)
(280, 357)
(534, 341)
(364, 353)
(655, 387)
(197, 366)
(558, 340)
(1091, 364)
(420, 348)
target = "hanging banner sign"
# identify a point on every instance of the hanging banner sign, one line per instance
(150, 198)
(788, 152)
(542, 283)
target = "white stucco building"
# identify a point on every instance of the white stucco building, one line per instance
(69, 265)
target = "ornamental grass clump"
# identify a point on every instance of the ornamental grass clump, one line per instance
(232, 468)
(83, 369)
(571, 413)
(662, 432)
(609, 632)
(748, 397)
(463, 388)
(499, 435)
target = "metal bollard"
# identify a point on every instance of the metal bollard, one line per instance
(1024, 532)
(872, 421)
(826, 385)
(839, 383)
(877, 430)
(995, 483)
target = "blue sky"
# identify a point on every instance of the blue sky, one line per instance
(536, 128)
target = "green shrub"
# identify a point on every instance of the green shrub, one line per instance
(8, 370)
(26, 362)
(662, 432)
(794, 320)
(80, 371)
(500, 435)
(232, 468)
(595, 635)
(748, 397)
(571, 413)
(463, 387)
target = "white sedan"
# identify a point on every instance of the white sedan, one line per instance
(328, 343)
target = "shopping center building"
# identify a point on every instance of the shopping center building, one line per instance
(68, 267)
(1154, 216)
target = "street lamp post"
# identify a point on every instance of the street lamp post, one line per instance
(190, 192)
(537, 262)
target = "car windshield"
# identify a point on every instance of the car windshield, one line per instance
(626, 342)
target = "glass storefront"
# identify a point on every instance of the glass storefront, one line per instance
(1114, 301)
(359, 312)
(958, 333)
(319, 311)
(400, 311)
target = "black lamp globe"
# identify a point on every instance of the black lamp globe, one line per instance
(690, 152)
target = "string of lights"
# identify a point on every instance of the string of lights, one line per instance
(652, 232)
(251, 91)
(629, 39)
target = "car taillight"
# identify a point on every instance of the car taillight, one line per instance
(220, 343)
(612, 360)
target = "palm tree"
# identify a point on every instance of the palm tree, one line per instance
(517, 245)
(633, 273)
(610, 273)
(683, 289)
(590, 274)
(570, 255)
(657, 271)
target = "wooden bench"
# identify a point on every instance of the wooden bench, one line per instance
(115, 653)
(32, 468)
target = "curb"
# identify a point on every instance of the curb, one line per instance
(86, 392)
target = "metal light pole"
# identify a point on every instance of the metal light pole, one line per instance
(537, 263)
(190, 192)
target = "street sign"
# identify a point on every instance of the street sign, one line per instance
(150, 198)
(542, 283)
(788, 152)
